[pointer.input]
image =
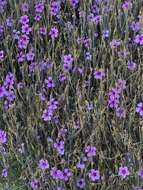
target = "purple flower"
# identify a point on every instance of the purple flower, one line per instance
(54, 33)
(43, 164)
(62, 77)
(68, 59)
(121, 84)
(56, 174)
(135, 26)
(43, 30)
(24, 19)
(9, 22)
(25, 7)
(3, 137)
(80, 183)
(131, 65)
(47, 115)
(4, 172)
(76, 124)
(66, 174)
(115, 43)
(23, 41)
(1, 29)
(52, 104)
(140, 173)
(139, 108)
(34, 184)
(54, 9)
(26, 29)
(37, 17)
(59, 146)
(60, 188)
(94, 175)
(30, 56)
(39, 8)
(99, 74)
(9, 80)
(123, 172)
(105, 33)
(74, 2)
(50, 83)
(80, 165)
(126, 5)
(88, 56)
(2, 91)
(1, 55)
(139, 39)
(90, 151)
(120, 113)
(21, 56)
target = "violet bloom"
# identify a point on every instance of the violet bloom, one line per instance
(120, 113)
(80, 183)
(1, 29)
(126, 5)
(37, 17)
(3, 137)
(105, 33)
(66, 174)
(9, 22)
(88, 56)
(39, 7)
(54, 33)
(59, 146)
(90, 151)
(76, 124)
(62, 77)
(23, 41)
(74, 2)
(113, 103)
(24, 7)
(4, 172)
(10, 95)
(89, 106)
(43, 31)
(16, 34)
(123, 172)
(62, 132)
(43, 164)
(2, 91)
(121, 84)
(21, 56)
(30, 56)
(24, 19)
(94, 175)
(26, 29)
(54, 9)
(50, 83)
(139, 108)
(115, 43)
(139, 39)
(1, 55)
(47, 115)
(99, 74)
(131, 65)
(56, 174)
(34, 184)
(140, 173)
(135, 26)
(9, 80)
(68, 58)
(52, 104)
(60, 188)
(80, 165)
